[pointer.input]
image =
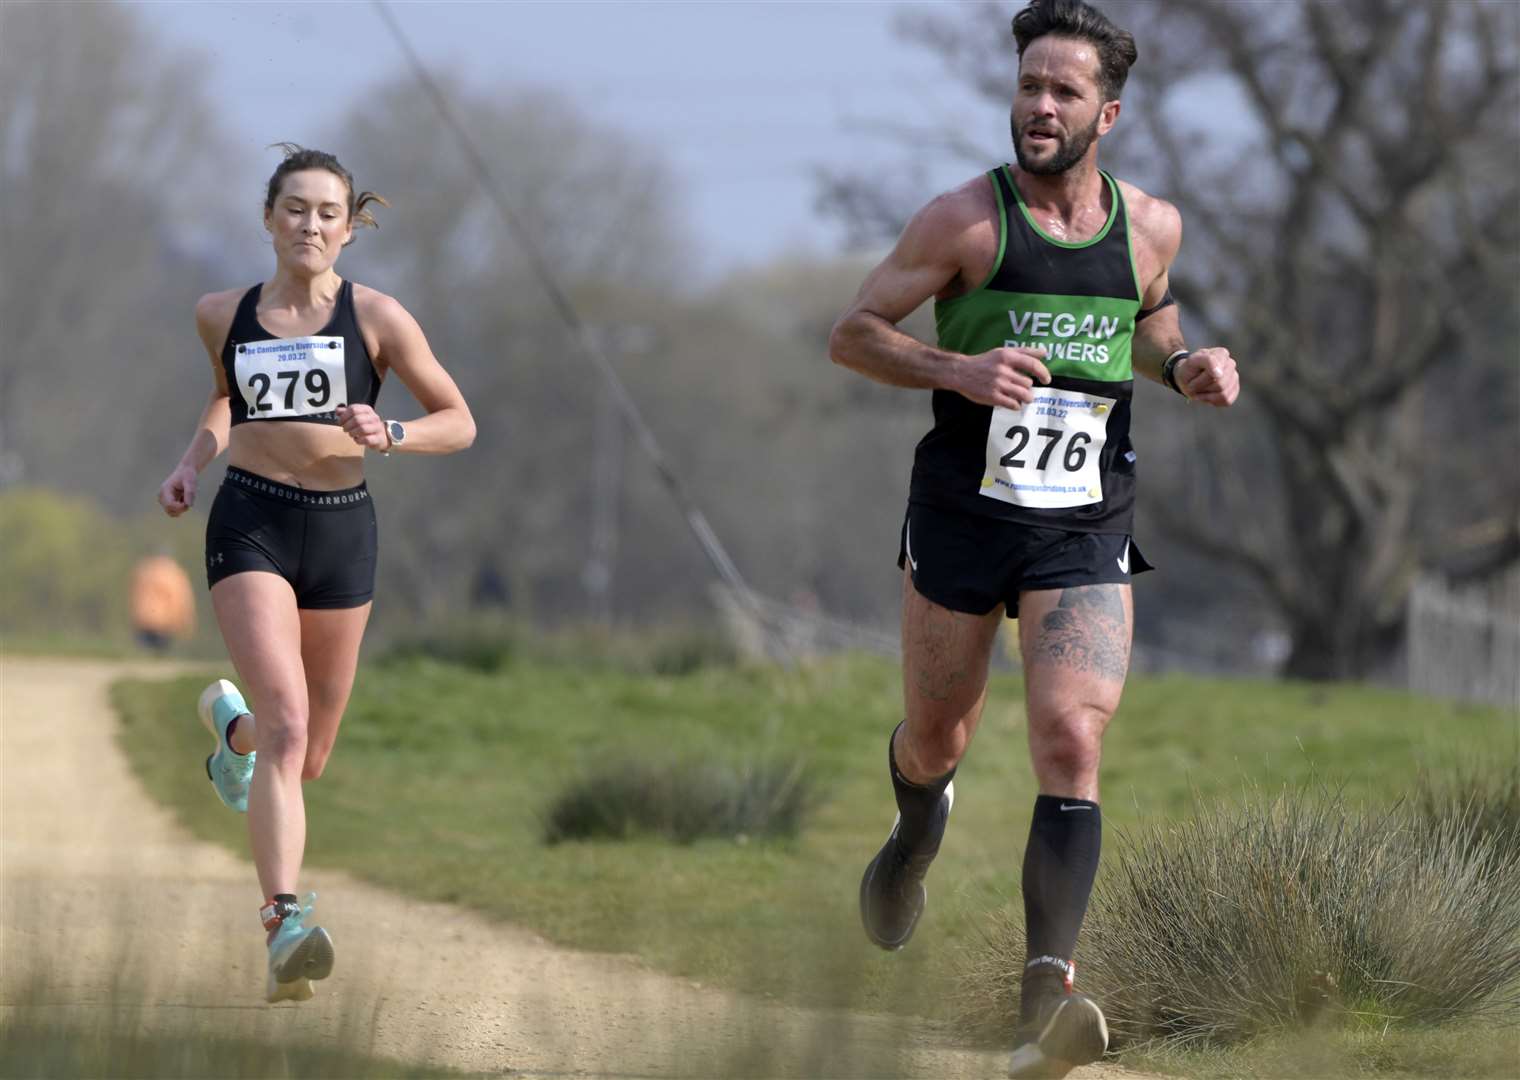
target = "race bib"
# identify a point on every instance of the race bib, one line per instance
(1046, 454)
(287, 377)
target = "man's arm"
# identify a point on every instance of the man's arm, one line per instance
(931, 256)
(1207, 375)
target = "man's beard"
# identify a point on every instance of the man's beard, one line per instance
(1070, 152)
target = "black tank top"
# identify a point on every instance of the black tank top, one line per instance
(1065, 461)
(299, 378)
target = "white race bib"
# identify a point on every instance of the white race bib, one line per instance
(1046, 454)
(286, 377)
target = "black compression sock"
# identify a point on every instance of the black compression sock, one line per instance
(1060, 862)
(917, 803)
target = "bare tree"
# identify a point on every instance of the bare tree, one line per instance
(514, 510)
(100, 129)
(1347, 179)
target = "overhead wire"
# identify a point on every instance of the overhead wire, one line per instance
(585, 341)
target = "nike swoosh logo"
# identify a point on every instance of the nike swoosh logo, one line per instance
(1123, 560)
(1077, 807)
(908, 546)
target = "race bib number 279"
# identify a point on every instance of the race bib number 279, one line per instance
(289, 377)
(1046, 454)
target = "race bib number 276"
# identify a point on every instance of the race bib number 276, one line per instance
(289, 377)
(1046, 454)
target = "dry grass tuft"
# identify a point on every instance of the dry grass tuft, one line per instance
(682, 799)
(1278, 913)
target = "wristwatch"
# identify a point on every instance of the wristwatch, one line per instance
(395, 432)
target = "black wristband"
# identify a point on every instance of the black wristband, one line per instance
(1169, 367)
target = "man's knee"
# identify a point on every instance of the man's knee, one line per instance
(1067, 744)
(935, 750)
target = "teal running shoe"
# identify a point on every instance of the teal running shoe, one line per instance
(298, 953)
(230, 772)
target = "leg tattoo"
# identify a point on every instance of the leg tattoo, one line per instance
(1087, 630)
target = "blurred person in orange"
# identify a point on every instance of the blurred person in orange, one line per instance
(297, 364)
(163, 605)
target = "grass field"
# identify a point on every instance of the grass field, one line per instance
(117, 1044)
(442, 775)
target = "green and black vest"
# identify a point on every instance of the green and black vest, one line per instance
(1065, 460)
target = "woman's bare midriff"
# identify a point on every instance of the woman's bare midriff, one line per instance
(318, 457)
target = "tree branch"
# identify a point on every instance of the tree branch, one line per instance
(923, 139)
(1477, 551)
(1239, 551)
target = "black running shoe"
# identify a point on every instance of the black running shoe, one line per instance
(1072, 1032)
(892, 891)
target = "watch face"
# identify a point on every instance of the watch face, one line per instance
(397, 432)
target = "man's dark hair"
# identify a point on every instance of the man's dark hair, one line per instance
(1075, 19)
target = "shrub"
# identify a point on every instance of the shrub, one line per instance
(1267, 915)
(493, 644)
(1482, 800)
(64, 569)
(483, 645)
(682, 799)
(66, 564)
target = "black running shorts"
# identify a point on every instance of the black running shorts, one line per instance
(323, 542)
(972, 563)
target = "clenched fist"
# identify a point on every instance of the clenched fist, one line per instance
(1209, 376)
(1001, 377)
(364, 426)
(177, 493)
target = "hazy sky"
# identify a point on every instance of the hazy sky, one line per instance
(742, 99)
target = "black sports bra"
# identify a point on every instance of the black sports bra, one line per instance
(297, 378)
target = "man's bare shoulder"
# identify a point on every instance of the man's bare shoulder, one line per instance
(957, 233)
(1157, 223)
(962, 210)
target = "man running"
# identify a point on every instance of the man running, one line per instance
(1050, 285)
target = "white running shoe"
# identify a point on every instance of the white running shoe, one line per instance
(1073, 1032)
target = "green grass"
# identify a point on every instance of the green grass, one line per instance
(80, 646)
(117, 1044)
(198, 650)
(49, 1029)
(442, 777)
(1456, 1053)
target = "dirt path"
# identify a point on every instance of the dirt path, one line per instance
(124, 908)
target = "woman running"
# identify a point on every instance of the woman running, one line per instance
(297, 364)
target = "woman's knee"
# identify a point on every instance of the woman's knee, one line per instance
(316, 761)
(281, 733)
(326, 715)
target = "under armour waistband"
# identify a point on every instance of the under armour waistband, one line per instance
(315, 500)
